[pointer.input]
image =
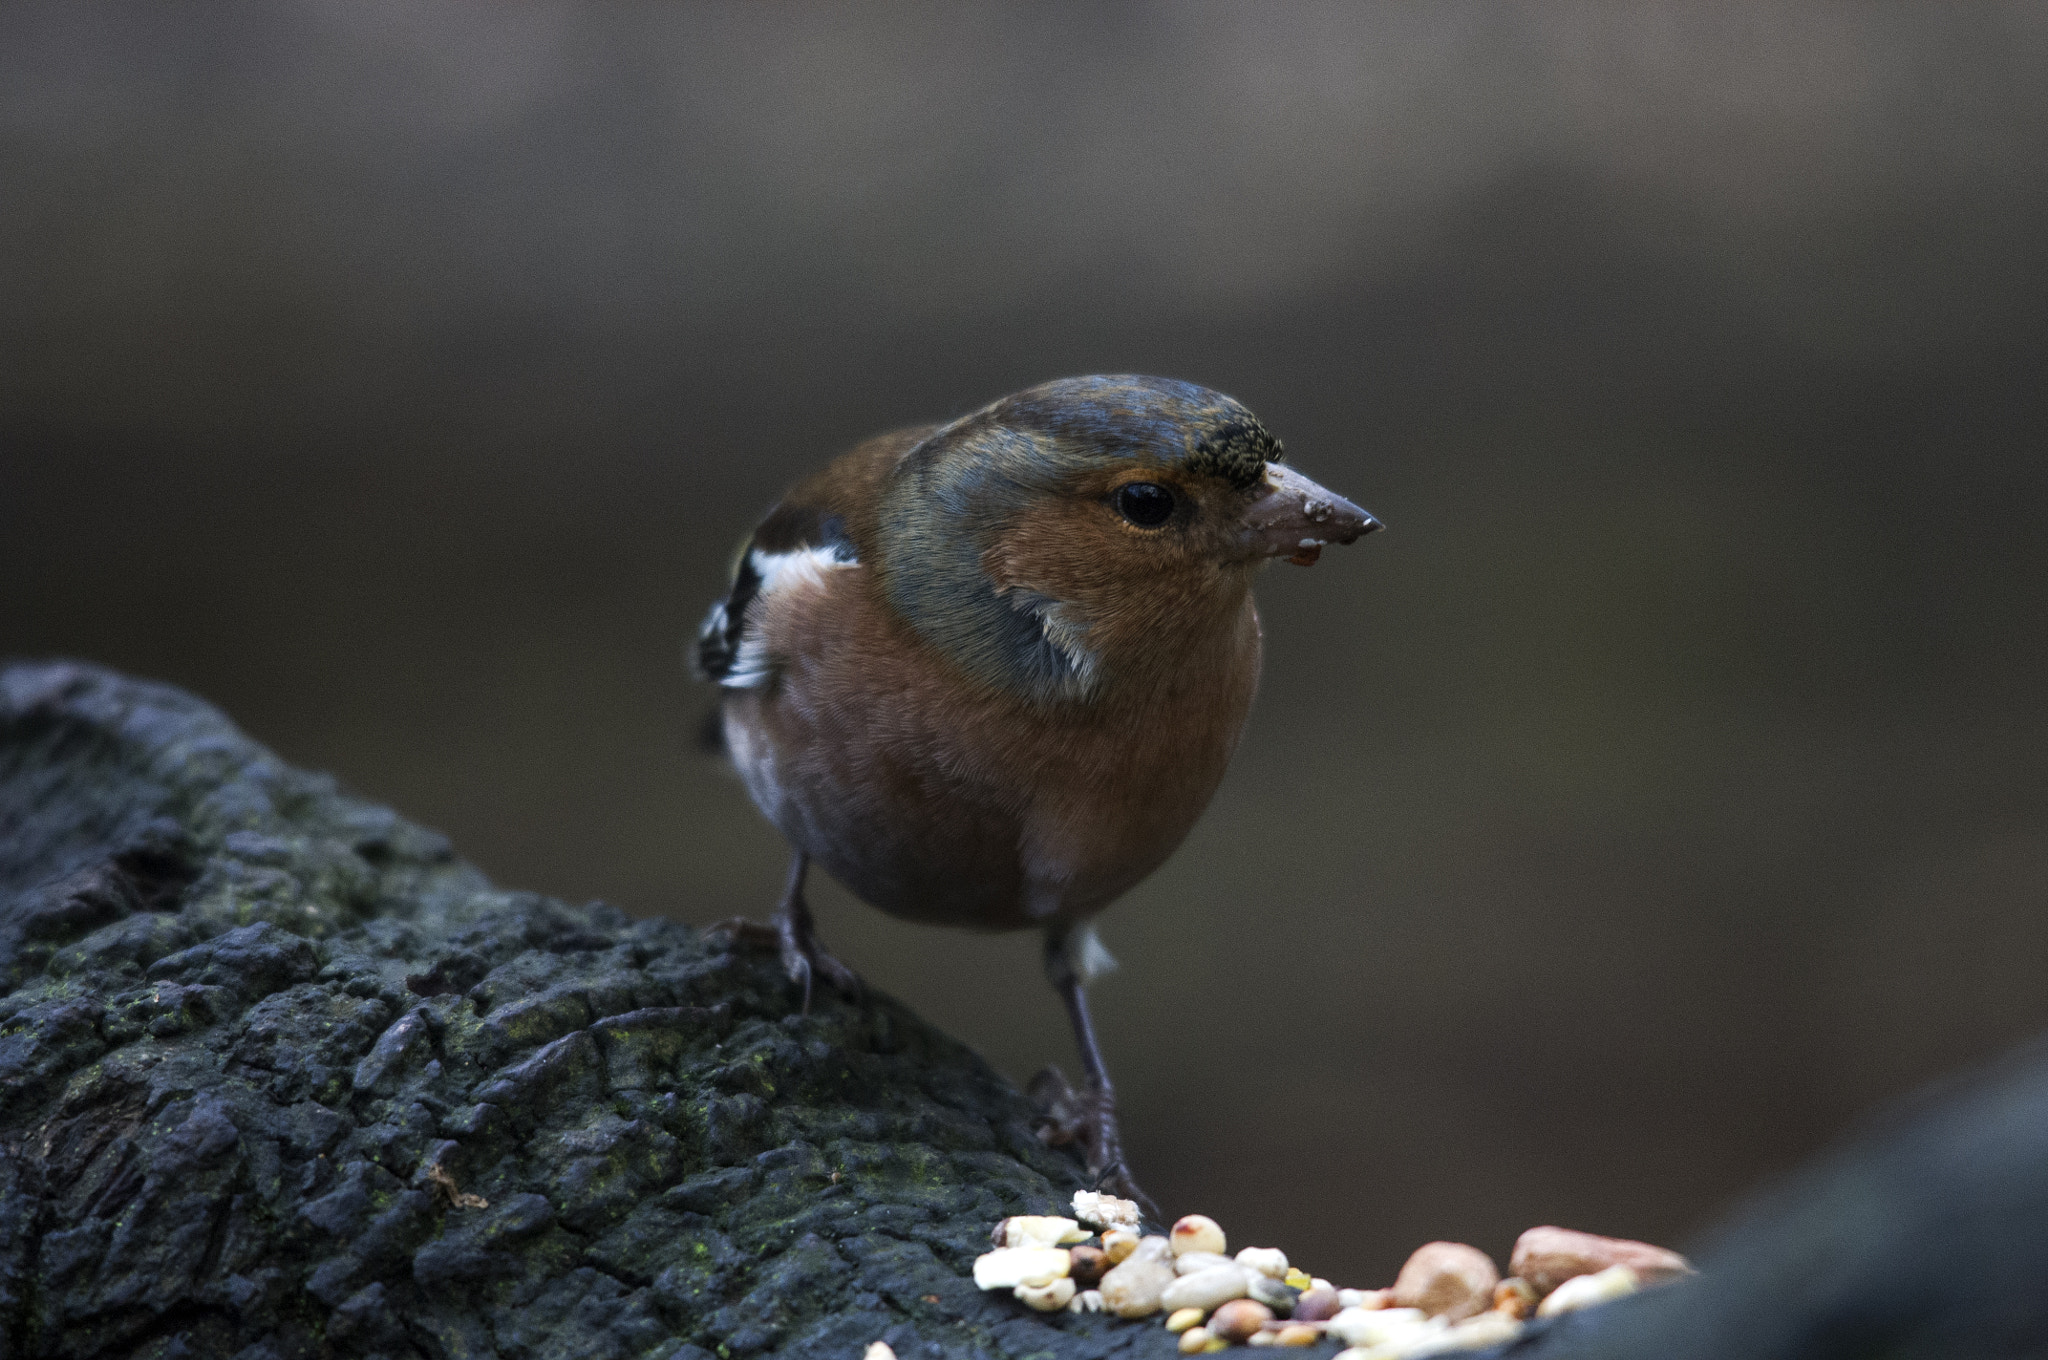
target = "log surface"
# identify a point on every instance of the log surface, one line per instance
(282, 1077)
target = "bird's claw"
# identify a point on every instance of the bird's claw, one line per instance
(743, 931)
(1067, 1116)
(1116, 1180)
(804, 959)
(1062, 1111)
(802, 956)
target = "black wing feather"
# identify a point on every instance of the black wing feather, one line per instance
(788, 528)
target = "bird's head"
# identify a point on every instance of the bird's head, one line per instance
(1090, 528)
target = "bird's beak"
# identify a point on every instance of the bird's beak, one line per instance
(1294, 518)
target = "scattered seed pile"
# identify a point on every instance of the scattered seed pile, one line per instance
(1448, 1297)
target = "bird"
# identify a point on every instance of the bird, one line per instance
(988, 672)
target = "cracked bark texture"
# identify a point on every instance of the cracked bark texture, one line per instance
(281, 1077)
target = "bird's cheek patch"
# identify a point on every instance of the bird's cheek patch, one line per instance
(1073, 551)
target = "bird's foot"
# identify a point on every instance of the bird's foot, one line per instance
(1067, 1116)
(1062, 1111)
(803, 957)
(741, 930)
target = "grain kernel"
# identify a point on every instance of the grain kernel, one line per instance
(1198, 1232)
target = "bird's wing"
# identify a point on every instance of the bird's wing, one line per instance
(813, 531)
(794, 545)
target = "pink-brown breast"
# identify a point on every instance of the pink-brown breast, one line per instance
(937, 799)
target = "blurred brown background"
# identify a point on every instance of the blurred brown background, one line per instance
(1665, 787)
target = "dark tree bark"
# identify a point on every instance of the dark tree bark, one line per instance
(282, 1077)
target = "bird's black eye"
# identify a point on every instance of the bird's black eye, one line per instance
(1144, 504)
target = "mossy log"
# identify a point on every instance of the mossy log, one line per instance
(281, 1077)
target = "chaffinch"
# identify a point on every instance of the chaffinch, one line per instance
(988, 673)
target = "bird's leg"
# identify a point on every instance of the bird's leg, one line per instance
(1094, 1113)
(795, 937)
